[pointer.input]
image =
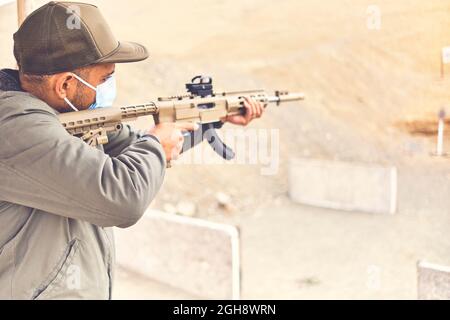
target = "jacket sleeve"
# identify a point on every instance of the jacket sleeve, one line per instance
(119, 140)
(44, 167)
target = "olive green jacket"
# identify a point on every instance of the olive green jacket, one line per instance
(59, 199)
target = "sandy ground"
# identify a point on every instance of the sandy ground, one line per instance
(360, 83)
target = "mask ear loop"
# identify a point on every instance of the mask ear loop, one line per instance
(70, 104)
(85, 82)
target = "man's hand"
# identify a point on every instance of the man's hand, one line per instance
(253, 109)
(171, 137)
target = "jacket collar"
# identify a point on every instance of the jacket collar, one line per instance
(9, 80)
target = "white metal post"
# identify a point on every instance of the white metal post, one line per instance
(440, 136)
(24, 8)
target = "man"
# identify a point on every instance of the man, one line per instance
(59, 197)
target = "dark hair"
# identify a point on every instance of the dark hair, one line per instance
(40, 79)
(33, 78)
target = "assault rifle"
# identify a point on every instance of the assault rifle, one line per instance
(201, 105)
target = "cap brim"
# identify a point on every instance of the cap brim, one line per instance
(127, 52)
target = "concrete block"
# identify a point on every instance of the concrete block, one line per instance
(433, 281)
(197, 256)
(343, 185)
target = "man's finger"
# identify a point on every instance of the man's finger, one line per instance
(238, 119)
(189, 126)
(254, 107)
(260, 109)
(176, 151)
(248, 110)
(257, 110)
(175, 155)
(179, 146)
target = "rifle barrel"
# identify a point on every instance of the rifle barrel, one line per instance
(285, 97)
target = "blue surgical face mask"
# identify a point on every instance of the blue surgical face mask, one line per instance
(105, 93)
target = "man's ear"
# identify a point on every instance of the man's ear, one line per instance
(64, 84)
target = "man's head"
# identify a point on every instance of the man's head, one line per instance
(63, 39)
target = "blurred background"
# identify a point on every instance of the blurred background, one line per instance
(372, 76)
